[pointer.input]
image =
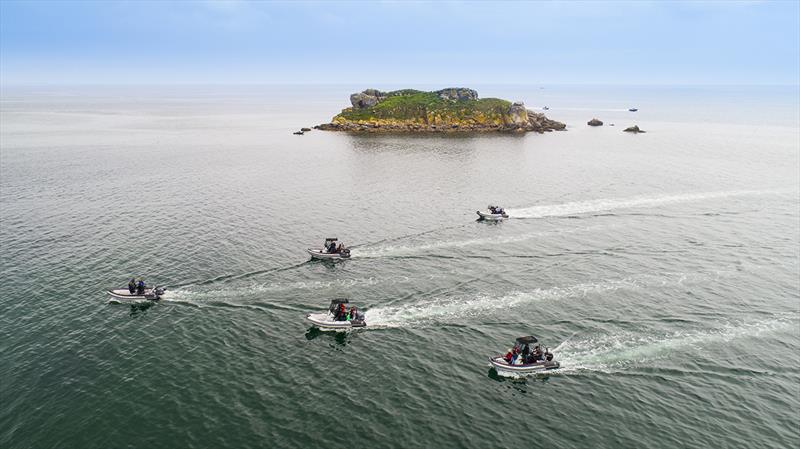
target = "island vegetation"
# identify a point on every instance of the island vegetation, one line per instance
(446, 110)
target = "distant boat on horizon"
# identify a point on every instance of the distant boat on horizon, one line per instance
(632, 109)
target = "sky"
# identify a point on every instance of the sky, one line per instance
(452, 43)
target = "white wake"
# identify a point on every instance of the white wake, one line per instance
(603, 205)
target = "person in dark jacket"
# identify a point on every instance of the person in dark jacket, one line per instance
(140, 287)
(132, 286)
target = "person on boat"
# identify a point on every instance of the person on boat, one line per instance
(514, 355)
(537, 353)
(509, 356)
(341, 314)
(339, 248)
(140, 287)
(132, 286)
(331, 248)
(355, 315)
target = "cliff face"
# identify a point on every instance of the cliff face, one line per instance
(446, 110)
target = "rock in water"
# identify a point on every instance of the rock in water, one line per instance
(594, 122)
(633, 129)
(305, 129)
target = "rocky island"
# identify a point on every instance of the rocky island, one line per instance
(446, 110)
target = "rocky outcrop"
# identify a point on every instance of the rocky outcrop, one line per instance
(364, 100)
(594, 122)
(453, 109)
(539, 122)
(457, 94)
(518, 115)
(633, 129)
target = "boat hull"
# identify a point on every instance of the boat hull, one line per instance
(324, 321)
(319, 254)
(504, 369)
(491, 217)
(122, 295)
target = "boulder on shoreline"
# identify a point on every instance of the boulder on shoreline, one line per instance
(454, 109)
(594, 122)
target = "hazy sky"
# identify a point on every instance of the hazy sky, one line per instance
(453, 43)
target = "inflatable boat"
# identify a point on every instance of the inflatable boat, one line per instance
(322, 255)
(327, 321)
(542, 361)
(326, 254)
(122, 295)
(493, 213)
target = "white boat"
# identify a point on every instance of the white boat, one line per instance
(326, 254)
(327, 321)
(321, 254)
(493, 213)
(543, 362)
(123, 295)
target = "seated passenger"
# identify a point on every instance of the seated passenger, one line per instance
(132, 286)
(508, 357)
(140, 287)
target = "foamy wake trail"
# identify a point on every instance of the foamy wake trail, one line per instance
(410, 249)
(614, 352)
(602, 205)
(456, 309)
(262, 288)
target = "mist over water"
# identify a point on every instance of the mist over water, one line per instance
(663, 268)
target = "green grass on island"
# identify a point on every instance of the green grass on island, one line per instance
(413, 105)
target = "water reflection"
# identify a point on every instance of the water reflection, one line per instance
(140, 308)
(339, 338)
(518, 383)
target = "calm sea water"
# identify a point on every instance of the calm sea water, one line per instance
(664, 265)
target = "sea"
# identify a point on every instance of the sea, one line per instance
(662, 269)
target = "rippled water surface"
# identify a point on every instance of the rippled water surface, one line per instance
(664, 267)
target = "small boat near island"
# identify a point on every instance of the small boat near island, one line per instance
(330, 250)
(632, 110)
(493, 213)
(337, 317)
(526, 357)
